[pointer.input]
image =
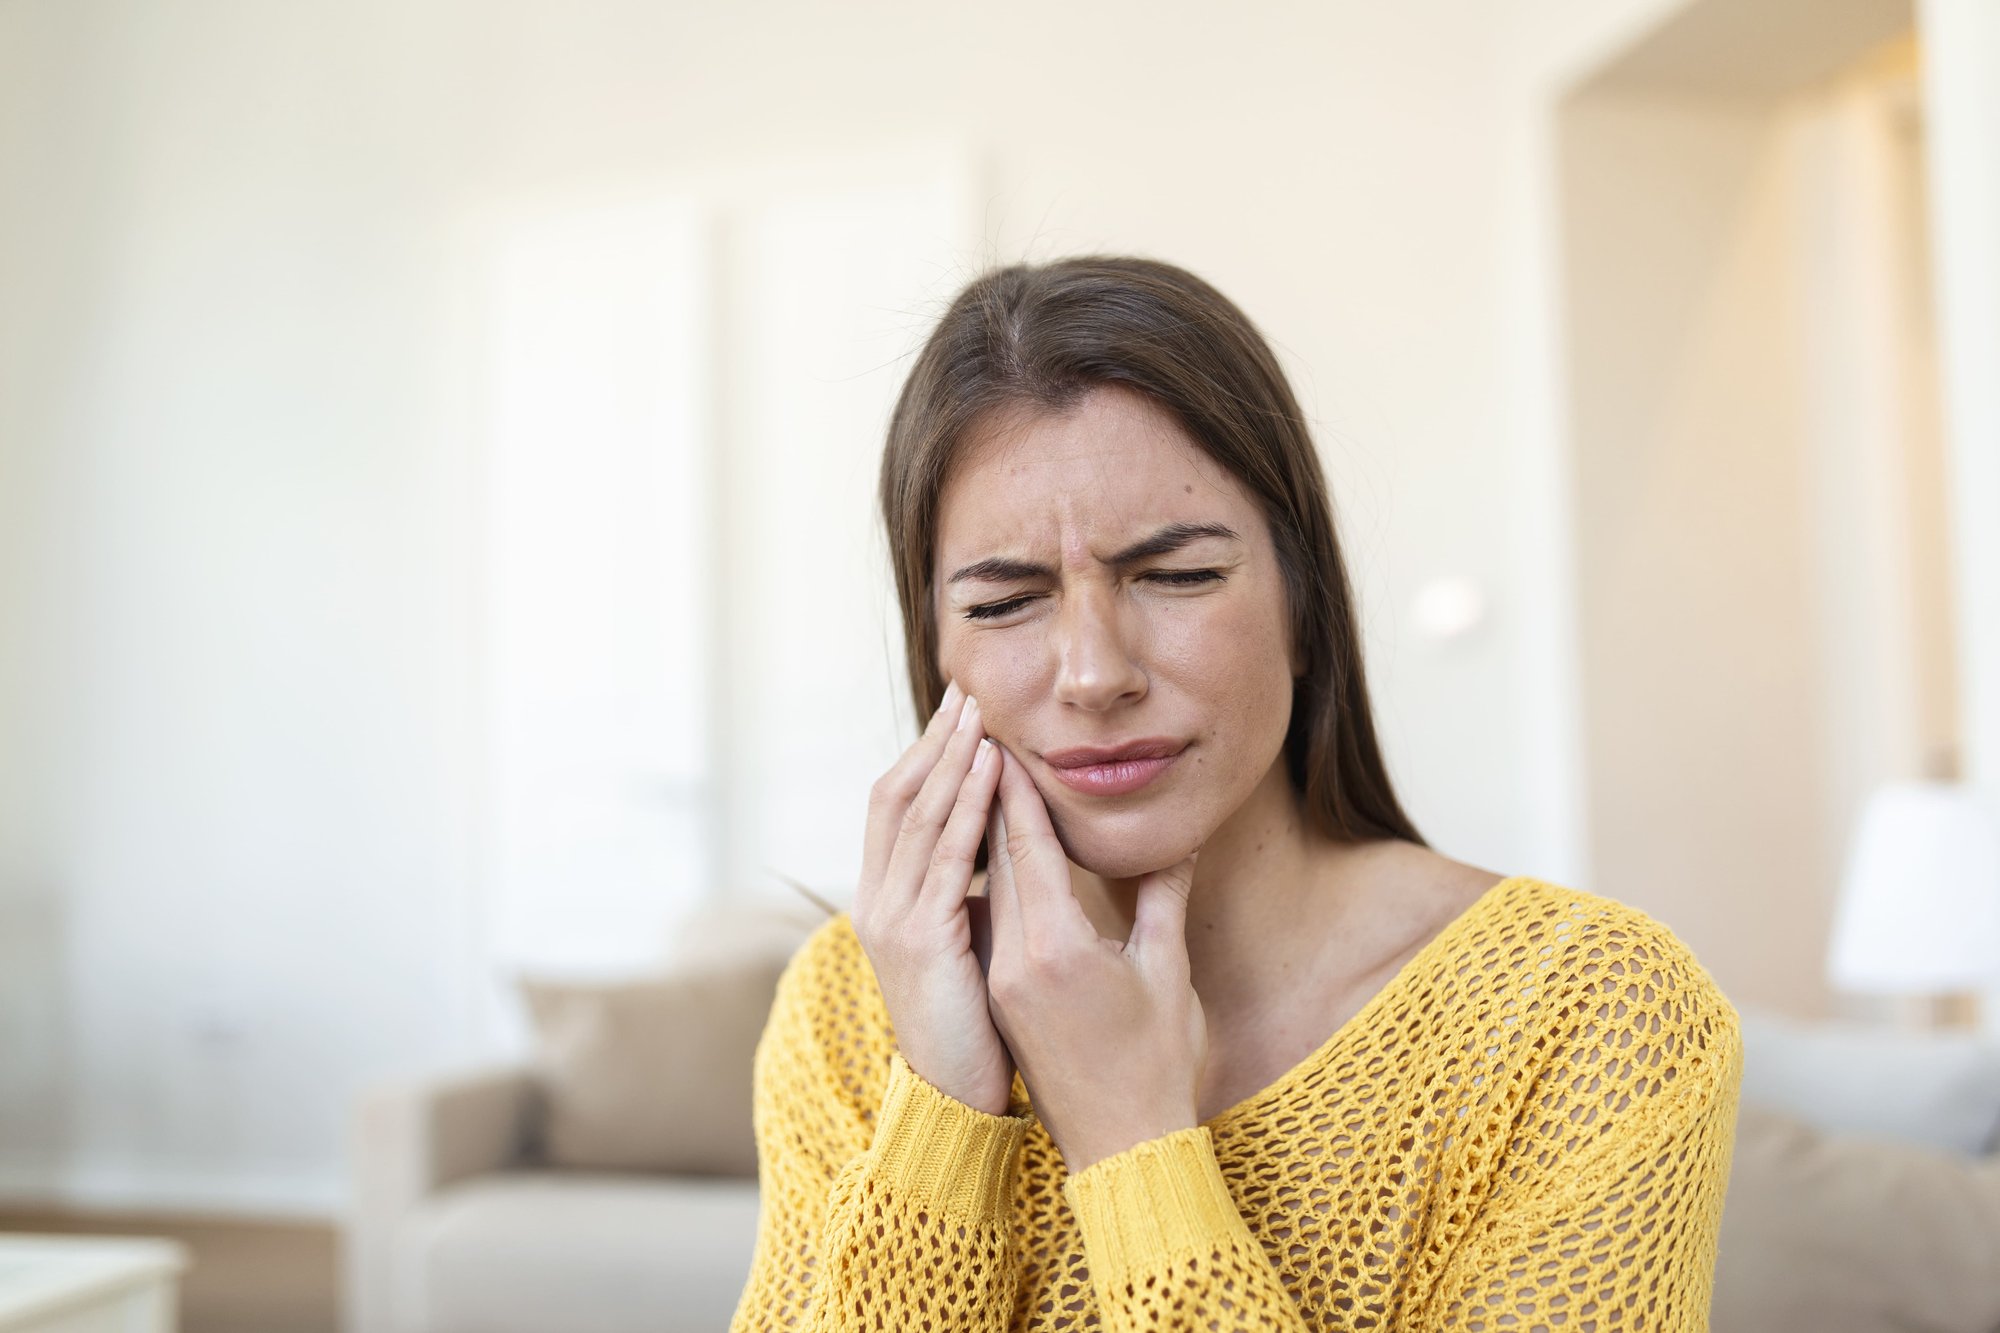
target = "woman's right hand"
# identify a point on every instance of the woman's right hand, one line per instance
(926, 817)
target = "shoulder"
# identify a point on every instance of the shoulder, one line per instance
(829, 973)
(1619, 1003)
(1590, 944)
(828, 951)
(828, 1001)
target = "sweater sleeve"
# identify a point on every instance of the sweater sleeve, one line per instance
(905, 1224)
(1167, 1247)
(1606, 1210)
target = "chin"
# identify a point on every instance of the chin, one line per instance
(1128, 844)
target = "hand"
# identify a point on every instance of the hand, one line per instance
(1110, 1036)
(925, 819)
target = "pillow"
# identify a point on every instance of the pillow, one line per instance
(1941, 1089)
(1842, 1233)
(652, 1073)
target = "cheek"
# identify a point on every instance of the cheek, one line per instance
(1236, 647)
(1234, 662)
(1000, 671)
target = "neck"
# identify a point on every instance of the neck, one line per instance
(1265, 883)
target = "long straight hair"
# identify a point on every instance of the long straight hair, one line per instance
(1043, 336)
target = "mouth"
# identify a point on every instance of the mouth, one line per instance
(1114, 770)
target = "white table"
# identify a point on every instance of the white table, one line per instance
(89, 1284)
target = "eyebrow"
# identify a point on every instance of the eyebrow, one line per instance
(1002, 569)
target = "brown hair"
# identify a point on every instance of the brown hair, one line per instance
(1042, 336)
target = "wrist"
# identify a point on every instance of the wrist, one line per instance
(1083, 1151)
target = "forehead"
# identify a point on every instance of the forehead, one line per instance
(1094, 476)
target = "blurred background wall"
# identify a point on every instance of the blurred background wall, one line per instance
(437, 451)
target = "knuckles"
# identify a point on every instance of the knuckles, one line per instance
(1044, 963)
(916, 818)
(947, 856)
(889, 792)
(1020, 847)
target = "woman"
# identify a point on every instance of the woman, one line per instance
(1217, 1041)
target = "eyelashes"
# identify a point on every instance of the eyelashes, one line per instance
(993, 609)
(1177, 577)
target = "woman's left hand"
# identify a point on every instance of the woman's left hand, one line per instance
(1109, 1037)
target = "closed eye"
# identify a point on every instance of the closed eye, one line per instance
(1176, 577)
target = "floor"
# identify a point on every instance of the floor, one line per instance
(243, 1277)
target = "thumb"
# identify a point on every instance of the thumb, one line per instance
(1159, 917)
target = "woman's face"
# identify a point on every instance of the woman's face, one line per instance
(1077, 604)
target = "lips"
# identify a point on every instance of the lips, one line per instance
(1114, 770)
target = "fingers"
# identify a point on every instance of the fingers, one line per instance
(1038, 868)
(1159, 926)
(1002, 906)
(895, 789)
(949, 875)
(930, 868)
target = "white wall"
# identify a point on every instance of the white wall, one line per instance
(234, 629)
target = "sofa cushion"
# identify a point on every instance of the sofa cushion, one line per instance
(651, 1073)
(527, 1252)
(1936, 1088)
(654, 1072)
(1850, 1233)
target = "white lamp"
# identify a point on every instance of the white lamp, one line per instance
(1919, 910)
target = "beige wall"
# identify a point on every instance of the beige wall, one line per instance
(1961, 98)
(1764, 589)
(1699, 657)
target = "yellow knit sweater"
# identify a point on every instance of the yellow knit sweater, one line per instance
(1529, 1128)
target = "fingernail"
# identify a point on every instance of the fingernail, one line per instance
(968, 713)
(950, 696)
(983, 753)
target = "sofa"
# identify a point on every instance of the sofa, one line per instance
(608, 1184)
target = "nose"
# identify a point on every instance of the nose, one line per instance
(1095, 669)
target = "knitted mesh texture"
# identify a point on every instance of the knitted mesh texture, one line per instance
(1527, 1130)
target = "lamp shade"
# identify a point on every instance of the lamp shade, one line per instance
(1919, 909)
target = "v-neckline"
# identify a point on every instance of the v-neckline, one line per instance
(1361, 1020)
